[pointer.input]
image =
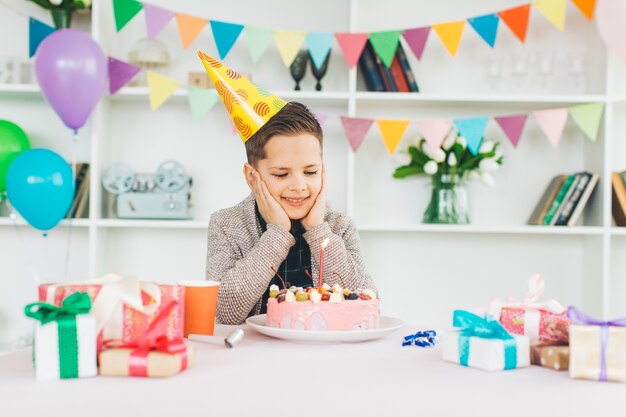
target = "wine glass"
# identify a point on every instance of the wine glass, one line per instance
(319, 73)
(298, 67)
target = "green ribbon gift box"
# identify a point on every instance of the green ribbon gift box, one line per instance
(65, 338)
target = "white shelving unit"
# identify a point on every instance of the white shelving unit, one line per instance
(423, 271)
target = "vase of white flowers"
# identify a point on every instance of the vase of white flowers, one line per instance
(449, 168)
(62, 10)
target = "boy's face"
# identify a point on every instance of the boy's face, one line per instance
(292, 171)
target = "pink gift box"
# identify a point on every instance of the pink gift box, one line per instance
(125, 307)
(537, 324)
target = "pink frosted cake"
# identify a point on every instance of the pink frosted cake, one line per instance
(324, 308)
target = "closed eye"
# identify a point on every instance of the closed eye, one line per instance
(311, 173)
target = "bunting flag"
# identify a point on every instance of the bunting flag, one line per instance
(225, 35)
(189, 27)
(319, 44)
(416, 39)
(517, 20)
(450, 34)
(351, 45)
(487, 27)
(355, 130)
(392, 132)
(473, 130)
(201, 101)
(385, 44)
(588, 118)
(124, 11)
(161, 88)
(258, 41)
(586, 7)
(156, 19)
(321, 118)
(288, 43)
(434, 131)
(553, 10)
(37, 32)
(512, 126)
(552, 122)
(120, 73)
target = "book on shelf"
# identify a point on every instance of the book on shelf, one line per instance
(385, 73)
(397, 78)
(369, 69)
(618, 205)
(564, 199)
(81, 190)
(406, 69)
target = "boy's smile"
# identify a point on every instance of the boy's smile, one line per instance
(292, 171)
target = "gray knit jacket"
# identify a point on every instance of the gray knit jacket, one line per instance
(241, 257)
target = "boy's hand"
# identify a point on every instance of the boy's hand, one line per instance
(315, 217)
(269, 208)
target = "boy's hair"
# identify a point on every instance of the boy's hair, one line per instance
(293, 119)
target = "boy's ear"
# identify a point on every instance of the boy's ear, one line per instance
(247, 173)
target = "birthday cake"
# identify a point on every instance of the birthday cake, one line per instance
(322, 308)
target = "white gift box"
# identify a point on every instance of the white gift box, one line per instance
(46, 349)
(486, 354)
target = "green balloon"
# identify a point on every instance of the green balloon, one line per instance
(13, 141)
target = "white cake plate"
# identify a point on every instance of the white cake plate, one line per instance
(387, 325)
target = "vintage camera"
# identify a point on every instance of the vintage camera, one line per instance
(162, 195)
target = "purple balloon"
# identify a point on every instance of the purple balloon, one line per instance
(72, 73)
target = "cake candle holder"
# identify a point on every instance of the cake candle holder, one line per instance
(324, 244)
(279, 277)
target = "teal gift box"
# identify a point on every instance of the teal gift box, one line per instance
(484, 344)
(65, 339)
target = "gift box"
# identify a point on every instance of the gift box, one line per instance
(152, 363)
(549, 356)
(484, 344)
(65, 339)
(597, 348)
(123, 307)
(546, 321)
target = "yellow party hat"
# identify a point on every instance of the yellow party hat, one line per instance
(249, 105)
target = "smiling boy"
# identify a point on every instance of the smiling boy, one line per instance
(278, 230)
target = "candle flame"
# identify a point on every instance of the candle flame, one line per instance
(325, 243)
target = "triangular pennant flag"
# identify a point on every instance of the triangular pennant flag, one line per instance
(392, 132)
(450, 34)
(517, 20)
(434, 131)
(225, 35)
(288, 43)
(486, 26)
(156, 19)
(189, 27)
(512, 126)
(124, 11)
(37, 32)
(351, 45)
(355, 130)
(473, 130)
(258, 41)
(553, 10)
(588, 117)
(416, 38)
(120, 73)
(552, 122)
(586, 7)
(385, 44)
(321, 118)
(161, 88)
(319, 46)
(201, 101)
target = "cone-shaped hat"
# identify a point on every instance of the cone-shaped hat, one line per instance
(249, 105)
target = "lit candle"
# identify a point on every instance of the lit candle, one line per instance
(324, 244)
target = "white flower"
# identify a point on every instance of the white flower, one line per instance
(430, 167)
(486, 147)
(449, 142)
(452, 159)
(487, 179)
(439, 156)
(473, 176)
(56, 2)
(416, 141)
(461, 141)
(488, 165)
(402, 158)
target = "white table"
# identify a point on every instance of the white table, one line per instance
(268, 377)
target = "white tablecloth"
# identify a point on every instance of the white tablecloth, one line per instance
(268, 377)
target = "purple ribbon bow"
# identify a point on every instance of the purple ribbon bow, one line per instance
(578, 317)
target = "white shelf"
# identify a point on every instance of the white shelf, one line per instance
(618, 231)
(132, 93)
(473, 229)
(5, 221)
(152, 224)
(20, 90)
(376, 97)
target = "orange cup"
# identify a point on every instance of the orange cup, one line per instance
(200, 306)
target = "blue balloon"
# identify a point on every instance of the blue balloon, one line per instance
(40, 186)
